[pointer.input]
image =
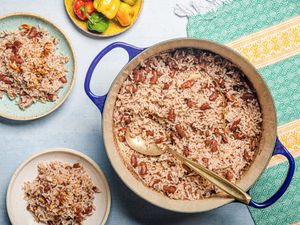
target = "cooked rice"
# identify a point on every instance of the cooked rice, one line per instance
(214, 120)
(61, 194)
(31, 70)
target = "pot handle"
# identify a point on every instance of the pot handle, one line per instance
(279, 149)
(132, 52)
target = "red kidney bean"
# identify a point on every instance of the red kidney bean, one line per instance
(190, 103)
(133, 160)
(63, 79)
(187, 84)
(154, 78)
(171, 115)
(213, 96)
(186, 152)
(214, 146)
(205, 106)
(180, 131)
(169, 189)
(238, 136)
(149, 132)
(234, 125)
(142, 168)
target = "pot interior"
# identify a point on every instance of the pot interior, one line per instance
(263, 153)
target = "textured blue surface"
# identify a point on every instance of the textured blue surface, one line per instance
(77, 124)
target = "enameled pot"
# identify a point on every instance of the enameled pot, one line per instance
(269, 144)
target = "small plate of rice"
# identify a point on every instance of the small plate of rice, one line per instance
(58, 186)
(37, 67)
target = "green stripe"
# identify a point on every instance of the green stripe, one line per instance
(283, 79)
(241, 17)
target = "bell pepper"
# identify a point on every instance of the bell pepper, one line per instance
(130, 2)
(89, 7)
(97, 23)
(108, 8)
(79, 5)
(125, 14)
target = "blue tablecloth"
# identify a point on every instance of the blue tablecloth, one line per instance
(77, 124)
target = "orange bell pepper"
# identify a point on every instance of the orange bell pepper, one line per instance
(125, 14)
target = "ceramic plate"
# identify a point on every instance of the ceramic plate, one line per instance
(9, 109)
(114, 27)
(27, 171)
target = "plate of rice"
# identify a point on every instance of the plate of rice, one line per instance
(58, 186)
(37, 67)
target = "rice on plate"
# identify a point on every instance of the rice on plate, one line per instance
(31, 70)
(62, 193)
(196, 103)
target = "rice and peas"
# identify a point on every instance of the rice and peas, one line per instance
(196, 103)
(31, 70)
(61, 194)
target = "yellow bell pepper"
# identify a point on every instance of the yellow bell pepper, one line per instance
(125, 14)
(130, 2)
(108, 8)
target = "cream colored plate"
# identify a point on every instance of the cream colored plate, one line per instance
(27, 171)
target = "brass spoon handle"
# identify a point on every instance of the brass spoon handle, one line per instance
(214, 178)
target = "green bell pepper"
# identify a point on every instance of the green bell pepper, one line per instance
(97, 22)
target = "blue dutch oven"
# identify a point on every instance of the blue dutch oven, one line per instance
(268, 147)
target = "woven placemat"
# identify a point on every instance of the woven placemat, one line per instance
(268, 34)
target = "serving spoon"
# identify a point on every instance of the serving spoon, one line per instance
(138, 144)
